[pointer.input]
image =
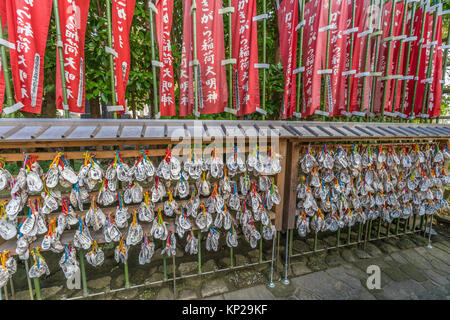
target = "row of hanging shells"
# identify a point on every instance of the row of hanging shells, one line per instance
(257, 196)
(341, 187)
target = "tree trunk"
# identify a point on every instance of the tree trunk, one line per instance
(95, 108)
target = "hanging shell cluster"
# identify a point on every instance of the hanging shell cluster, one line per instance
(208, 194)
(342, 186)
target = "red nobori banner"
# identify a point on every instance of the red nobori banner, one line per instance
(212, 89)
(73, 18)
(166, 85)
(245, 51)
(186, 71)
(2, 78)
(336, 94)
(28, 23)
(122, 16)
(383, 54)
(314, 43)
(287, 22)
(434, 98)
(362, 22)
(399, 60)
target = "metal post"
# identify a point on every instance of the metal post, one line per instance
(350, 64)
(60, 56)
(13, 293)
(418, 61)
(271, 283)
(230, 67)
(264, 58)
(430, 64)
(286, 263)
(199, 252)
(37, 288)
(174, 276)
(165, 267)
(291, 241)
(8, 90)
(111, 59)
(260, 243)
(127, 279)
(400, 53)
(155, 86)
(231, 257)
(194, 24)
(83, 273)
(379, 228)
(388, 64)
(30, 287)
(300, 58)
(278, 249)
(429, 246)
(408, 55)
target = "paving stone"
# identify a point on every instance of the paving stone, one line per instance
(440, 254)
(413, 272)
(129, 294)
(316, 263)
(340, 273)
(214, 287)
(436, 277)
(387, 248)
(165, 294)
(418, 240)
(433, 292)
(408, 289)
(442, 246)
(405, 243)
(395, 274)
(373, 250)
(210, 265)
(240, 260)
(396, 256)
(49, 293)
(333, 260)
(260, 292)
(435, 262)
(99, 283)
(361, 254)
(186, 268)
(303, 294)
(299, 269)
(416, 259)
(348, 255)
(187, 294)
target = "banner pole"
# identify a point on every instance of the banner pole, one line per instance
(230, 68)
(400, 54)
(388, 62)
(430, 65)
(9, 95)
(378, 34)
(444, 64)
(424, 15)
(264, 58)
(327, 55)
(111, 60)
(350, 61)
(406, 72)
(60, 56)
(155, 86)
(300, 58)
(194, 26)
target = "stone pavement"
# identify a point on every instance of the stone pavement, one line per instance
(414, 273)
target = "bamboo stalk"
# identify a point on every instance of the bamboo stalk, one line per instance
(111, 59)
(388, 63)
(30, 286)
(430, 64)
(408, 55)
(264, 58)
(155, 86)
(400, 54)
(60, 56)
(9, 95)
(350, 64)
(300, 59)
(83, 273)
(230, 67)
(194, 26)
(199, 252)
(327, 55)
(444, 64)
